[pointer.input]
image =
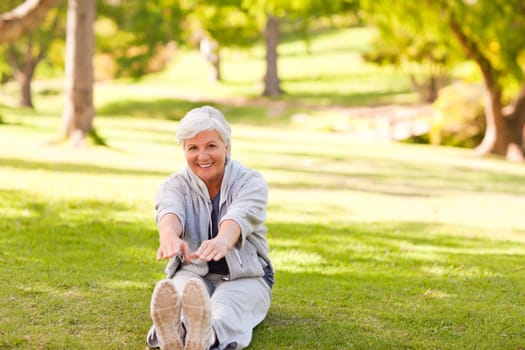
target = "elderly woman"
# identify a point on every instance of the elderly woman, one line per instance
(210, 219)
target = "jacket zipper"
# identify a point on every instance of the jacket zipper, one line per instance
(238, 256)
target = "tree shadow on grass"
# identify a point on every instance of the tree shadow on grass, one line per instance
(249, 112)
(75, 168)
(365, 286)
(362, 99)
(81, 276)
(398, 178)
(162, 108)
(399, 285)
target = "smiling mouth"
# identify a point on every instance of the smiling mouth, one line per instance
(205, 165)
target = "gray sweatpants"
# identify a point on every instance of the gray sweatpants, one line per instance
(236, 306)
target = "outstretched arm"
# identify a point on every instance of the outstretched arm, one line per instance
(171, 244)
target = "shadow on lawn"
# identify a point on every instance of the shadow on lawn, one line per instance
(394, 243)
(378, 172)
(73, 233)
(81, 268)
(75, 168)
(174, 109)
(400, 178)
(170, 109)
(367, 286)
(385, 285)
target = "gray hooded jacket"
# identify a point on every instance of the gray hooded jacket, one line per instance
(244, 195)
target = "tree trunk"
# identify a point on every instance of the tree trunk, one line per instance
(23, 65)
(500, 136)
(23, 19)
(493, 139)
(514, 115)
(211, 52)
(504, 133)
(271, 78)
(25, 83)
(216, 74)
(25, 55)
(79, 109)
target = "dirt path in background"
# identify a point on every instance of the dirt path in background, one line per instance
(385, 122)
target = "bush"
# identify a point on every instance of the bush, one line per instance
(459, 116)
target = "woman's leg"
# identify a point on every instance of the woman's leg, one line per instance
(237, 307)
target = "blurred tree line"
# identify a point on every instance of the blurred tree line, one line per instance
(437, 35)
(427, 39)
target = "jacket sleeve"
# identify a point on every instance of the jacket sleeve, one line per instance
(248, 204)
(170, 199)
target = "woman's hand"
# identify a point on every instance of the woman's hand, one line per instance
(170, 246)
(213, 249)
(217, 248)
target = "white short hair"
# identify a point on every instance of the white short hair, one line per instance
(204, 118)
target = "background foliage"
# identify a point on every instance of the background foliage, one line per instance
(377, 245)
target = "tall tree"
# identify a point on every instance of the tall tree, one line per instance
(24, 54)
(496, 45)
(426, 60)
(272, 35)
(79, 109)
(491, 33)
(271, 13)
(216, 25)
(24, 18)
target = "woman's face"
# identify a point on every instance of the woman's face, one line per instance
(206, 156)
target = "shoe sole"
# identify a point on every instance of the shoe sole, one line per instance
(165, 313)
(196, 307)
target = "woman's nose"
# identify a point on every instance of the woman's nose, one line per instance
(203, 154)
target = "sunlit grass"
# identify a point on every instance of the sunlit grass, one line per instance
(376, 245)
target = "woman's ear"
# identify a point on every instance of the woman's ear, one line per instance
(228, 152)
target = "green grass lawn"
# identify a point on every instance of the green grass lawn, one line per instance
(376, 245)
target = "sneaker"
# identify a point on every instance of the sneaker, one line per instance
(165, 313)
(196, 308)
